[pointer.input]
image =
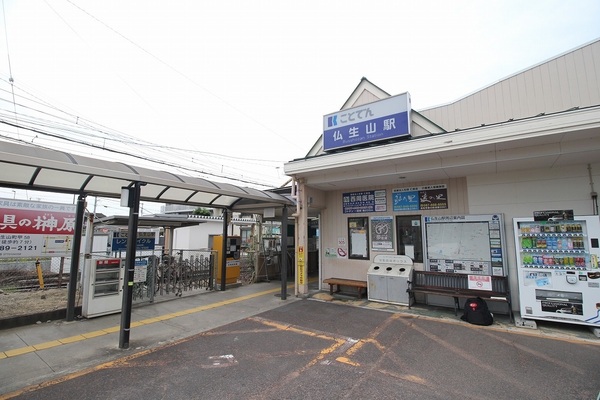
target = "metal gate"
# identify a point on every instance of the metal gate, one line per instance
(175, 273)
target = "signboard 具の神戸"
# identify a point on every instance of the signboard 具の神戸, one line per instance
(33, 229)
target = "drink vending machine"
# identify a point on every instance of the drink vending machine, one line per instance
(558, 274)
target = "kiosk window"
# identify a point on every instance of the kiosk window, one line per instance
(358, 238)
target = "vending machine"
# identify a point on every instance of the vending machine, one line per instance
(558, 274)
(103, 287)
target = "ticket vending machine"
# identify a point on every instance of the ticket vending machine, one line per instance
(103, 287)
(232, 267)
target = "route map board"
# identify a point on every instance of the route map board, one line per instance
(465, 244)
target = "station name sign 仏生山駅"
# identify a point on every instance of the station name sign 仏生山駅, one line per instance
(381, 120)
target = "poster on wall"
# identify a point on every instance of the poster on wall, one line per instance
(364, 202)
(431, 197)
(34, 229)
(358, 235)
(382, 233)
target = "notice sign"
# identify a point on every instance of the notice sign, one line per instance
(140, 271)
(32, 228)
(432, 197)
(364, 202)
(480, 282)
(301, 263)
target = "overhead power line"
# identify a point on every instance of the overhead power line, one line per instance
(178, 72)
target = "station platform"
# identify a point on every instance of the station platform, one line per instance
(35, 356)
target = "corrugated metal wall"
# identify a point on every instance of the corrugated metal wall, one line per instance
(569, 80)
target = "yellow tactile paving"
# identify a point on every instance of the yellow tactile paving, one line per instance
(47, 345)
(114, 329)
(72, 339)
(94, 334)
(149, 321)
(19, 351)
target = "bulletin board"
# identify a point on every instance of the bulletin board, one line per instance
(467, 244)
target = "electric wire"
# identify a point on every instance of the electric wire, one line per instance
(178, 72)
(52, 125)
(104, 131)
(78, 134)
(10, 79)
(81, 135)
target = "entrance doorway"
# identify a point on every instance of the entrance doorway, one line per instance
(409, 234)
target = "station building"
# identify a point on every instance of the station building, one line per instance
(528, 142)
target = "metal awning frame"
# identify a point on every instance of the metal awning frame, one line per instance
(34, 168)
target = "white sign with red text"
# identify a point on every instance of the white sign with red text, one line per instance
(480, 282)
(33, 228)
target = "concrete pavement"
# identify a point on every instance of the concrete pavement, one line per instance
(187, 344)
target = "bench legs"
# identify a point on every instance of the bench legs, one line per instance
(456, 306)
(331, 285)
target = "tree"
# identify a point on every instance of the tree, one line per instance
(202, 211)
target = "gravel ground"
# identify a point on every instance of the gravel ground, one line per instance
(13, 304)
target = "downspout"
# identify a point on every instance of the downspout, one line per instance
(593, 193)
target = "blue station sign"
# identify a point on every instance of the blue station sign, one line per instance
(381, 120)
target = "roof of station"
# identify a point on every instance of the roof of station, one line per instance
(35, 168)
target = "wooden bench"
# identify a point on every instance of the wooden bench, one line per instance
(359, 285)
(457, 286)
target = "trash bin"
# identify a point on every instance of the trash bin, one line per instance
(377, 282)
(387, 279)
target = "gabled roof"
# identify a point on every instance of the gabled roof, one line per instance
(365, 92)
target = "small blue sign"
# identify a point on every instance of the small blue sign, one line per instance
(120, 244)
(405, 201)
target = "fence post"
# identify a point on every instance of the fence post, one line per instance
(38, 267)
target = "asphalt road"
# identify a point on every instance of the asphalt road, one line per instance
(316, 350)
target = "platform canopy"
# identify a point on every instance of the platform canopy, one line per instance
(34, 168)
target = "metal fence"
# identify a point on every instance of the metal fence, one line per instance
(175, 273)
(166, 274)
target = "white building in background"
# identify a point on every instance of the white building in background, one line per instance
(199, 236)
